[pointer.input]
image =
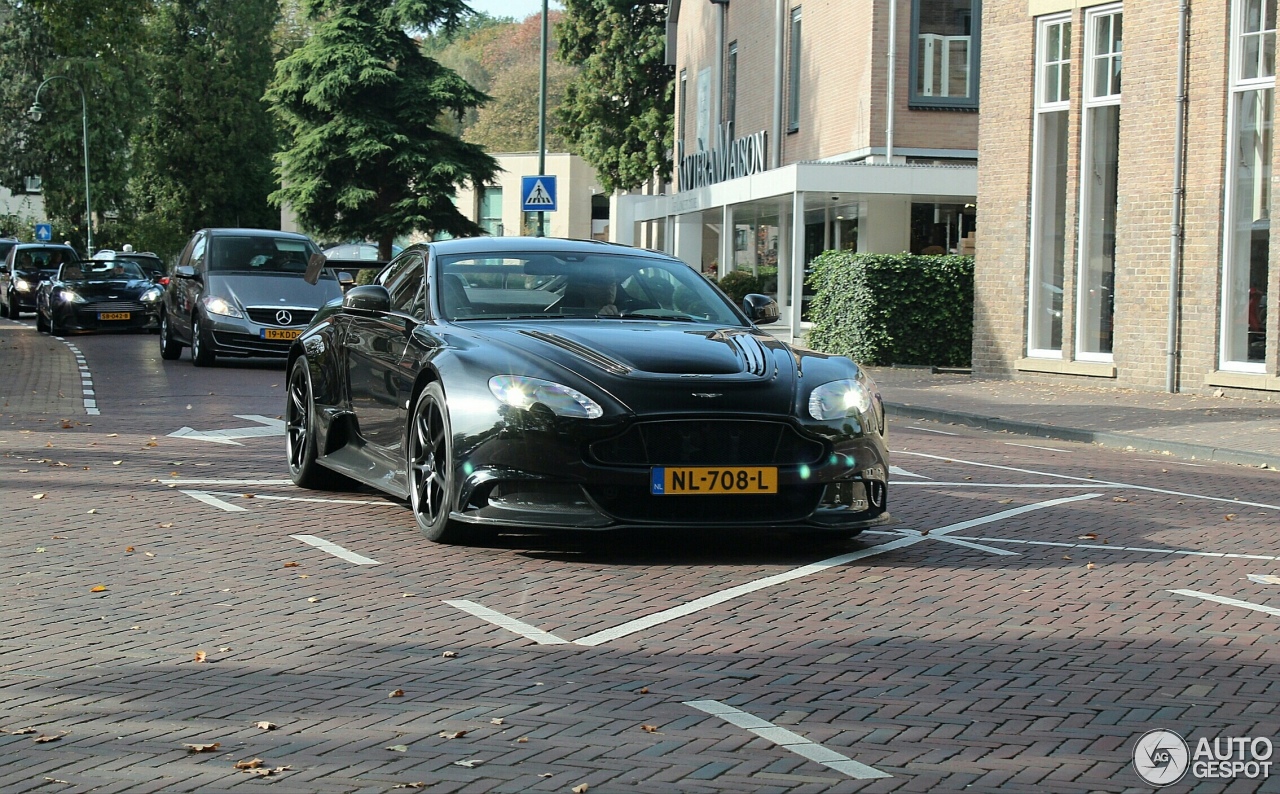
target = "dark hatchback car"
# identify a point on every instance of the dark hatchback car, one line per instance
(26, 265)
(97, 295)
(541, 383)
(241, 292)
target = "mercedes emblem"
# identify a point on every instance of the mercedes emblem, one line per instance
(283, 317)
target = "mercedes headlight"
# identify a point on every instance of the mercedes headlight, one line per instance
(840, 398)
(152, 295)
(22, 285)
(521, 392)
(70, 296)
(221, 306)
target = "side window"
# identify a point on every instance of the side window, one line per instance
(405, 284)
(197, 253)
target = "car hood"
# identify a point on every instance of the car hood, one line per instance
(117, 288)
(664, 366)
(273, 290)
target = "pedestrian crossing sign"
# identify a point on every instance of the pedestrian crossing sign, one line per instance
(538, 193)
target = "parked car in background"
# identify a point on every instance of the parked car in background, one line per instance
(150, 263)
(25, 266)
(241, 292)
(533, 383)
(348, 260)
(97, 295)
(6, 243)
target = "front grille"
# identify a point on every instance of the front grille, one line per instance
(636, 504)
(266, 315)
(250, 344)
(114, 306)
(709, 443)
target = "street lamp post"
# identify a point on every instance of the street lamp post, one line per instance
(35, 112)
(542, 115)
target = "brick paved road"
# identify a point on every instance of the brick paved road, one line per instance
(942, 663)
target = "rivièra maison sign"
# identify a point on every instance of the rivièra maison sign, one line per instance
(734, 157)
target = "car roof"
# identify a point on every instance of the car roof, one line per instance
(229, 231)
(481, 245)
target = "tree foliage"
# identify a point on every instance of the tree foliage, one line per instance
(617, 114)
(365, 156)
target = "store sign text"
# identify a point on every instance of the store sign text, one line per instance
(734, 157)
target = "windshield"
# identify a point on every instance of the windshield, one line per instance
(548, 286)
(254, 254)
(102, 271)
(44, 259)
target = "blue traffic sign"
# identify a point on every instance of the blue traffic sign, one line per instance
(44, 231)
(538, 193)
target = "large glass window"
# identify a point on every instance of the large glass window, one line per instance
(793, 87)
(491, 210)
(731, 85)
(1246, 260)
(684, 104)
(944, 53)
(1049, 187)
(1099, 168)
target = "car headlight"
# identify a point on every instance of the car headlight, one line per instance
(221, 306)
(152, 295)
(22, 285)
(70, 296)
(522, 392)
(838, 399)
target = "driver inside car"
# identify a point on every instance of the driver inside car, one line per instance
(599, 290)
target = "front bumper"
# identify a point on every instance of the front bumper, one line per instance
(234, 336)
(88, 317)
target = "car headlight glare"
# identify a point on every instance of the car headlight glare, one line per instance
(521, 392)
(22, 285)
(838, 399)
(152, 295)
(222, 306)
(70, 296)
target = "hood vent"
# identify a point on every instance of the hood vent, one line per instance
(595, 357)
(752, 354)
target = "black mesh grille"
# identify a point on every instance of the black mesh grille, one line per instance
(266, 315)
(709, 443)
(636, 504)
(114, 306)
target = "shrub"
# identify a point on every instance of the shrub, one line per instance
(881, 309)
(738, 284)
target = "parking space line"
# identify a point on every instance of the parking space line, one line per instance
(1097, 547)
(228, 482)
(1094, 483)
(1231, 602)
(979, 547)
(510, 624)
(905, 473)
(699, 604)
(927, 430)
(1033, 446)
(335, 550)
(1008, 484)
(210, 499)
(270, 498)
(787, 740)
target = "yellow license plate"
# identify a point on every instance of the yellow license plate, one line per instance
(690, 480)
(279, 333)
(114, 315)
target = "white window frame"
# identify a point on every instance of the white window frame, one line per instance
(1041, 106)
(1089, 101)
(1237, 84)
(795, 40)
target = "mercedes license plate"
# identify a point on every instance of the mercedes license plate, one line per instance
(280, 333)
(720, 480)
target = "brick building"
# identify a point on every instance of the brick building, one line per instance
(808, 125)
(1113, 226)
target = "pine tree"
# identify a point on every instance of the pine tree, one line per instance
(365, 157)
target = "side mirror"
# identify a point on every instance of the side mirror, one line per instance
(345, 280)
(760, 309)
(184, 271)
(370, 298)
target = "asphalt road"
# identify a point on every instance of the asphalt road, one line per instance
(1038, 607)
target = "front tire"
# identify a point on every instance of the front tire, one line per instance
(14, 313)
(300, 435)
(430, 453)
(41, 325)
(55, 328)
(202, 354)
(170, 350)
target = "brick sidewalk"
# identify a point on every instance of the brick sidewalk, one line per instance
(38, 374)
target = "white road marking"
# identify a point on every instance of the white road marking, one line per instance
(1033, 446)
(1008, 484)
(210, 499)
(787, 740)
(1231, 602)
(269, 427)
(269, 498)
(1174, 462)
(335, 550)
(510, 624)
(1097, 483)
(927, 430)
(905, 473)
(228, 482)
(86, 379)
(979, 547)
(705, 602)
(1100, 547)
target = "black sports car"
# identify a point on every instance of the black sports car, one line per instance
(541, 383)
(95, 295)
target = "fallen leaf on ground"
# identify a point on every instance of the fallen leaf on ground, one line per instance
(1090, 536)
(644, 690)
(496, 721)
(113, 435)
(410, 785)
(1090, 566)
(56, 780)
(202, 748)
(37, 496)
(1228, 516)
(1118, 499)
(268, 772)
(18, 731)
(116, 462)
(580, 789)
(266, 726)
(247, 496)
(398, 693)
(129, 549)
(254, 764)
(399, 748)
(224, 650)
(1066, 556)
(546, 774)
(53, 737)
(201, 656)
(291, 565)
(149, 554)
(470, 763)
(649, 728)
(98, 588)
(449, 654)
(94, 510)
(452, 734)
(304, 576)
(59, 537)
(166, 525)
(312, 600)
(39, 549)
(1005, 501)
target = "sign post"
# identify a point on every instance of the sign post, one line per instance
(538, 194)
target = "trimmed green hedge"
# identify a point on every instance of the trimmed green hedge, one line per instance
(882, 309)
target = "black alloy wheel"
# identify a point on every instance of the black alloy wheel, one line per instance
(170, 350)
(55, 328)
(430, 451)
(300, 436)
(14, 312)
(202, 354)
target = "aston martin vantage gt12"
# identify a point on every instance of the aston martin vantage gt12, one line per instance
(525, 383)
(97, 295)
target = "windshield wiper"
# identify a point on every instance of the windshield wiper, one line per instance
(680, 318)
